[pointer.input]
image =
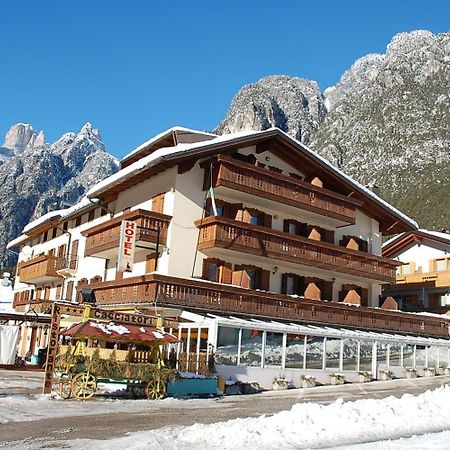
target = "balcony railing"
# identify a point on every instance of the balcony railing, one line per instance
(38, 270)
(207, 297)
(436, 279)
(66, 264)
(246, 238)
(234, 174)
(106, 236)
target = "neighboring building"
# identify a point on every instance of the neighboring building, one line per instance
(233, 233)
(423, 278)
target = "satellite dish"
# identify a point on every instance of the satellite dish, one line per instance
(27, 251)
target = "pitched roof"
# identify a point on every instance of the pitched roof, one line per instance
(169, 156)
(403, 241)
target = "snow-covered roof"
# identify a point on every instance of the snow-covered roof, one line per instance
(165, 154)
(168, 153)
(51, 215)
(311, 330)
(421, 232)
(164, 134)
(84, 203)
(17, 241)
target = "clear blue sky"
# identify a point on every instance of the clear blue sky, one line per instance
(135, 68)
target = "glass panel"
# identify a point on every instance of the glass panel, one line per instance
(365, 358)
(333, 351)
(443, 357)
(274, 349)
(432, 356)
(290, 285)
(381, 353)
(251, 347)
(440, 264)
(227, 346)
(420, 355)
(395, 354)
(350, 354)
(295, 347)
(408, 355)
(314, 352)
(213, 272)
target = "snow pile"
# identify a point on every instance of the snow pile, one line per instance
(110, 327)
(306, 425)
(158, 335)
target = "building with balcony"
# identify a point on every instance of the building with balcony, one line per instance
(422, 281)
(252, 227)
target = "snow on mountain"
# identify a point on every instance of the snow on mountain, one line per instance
(387, 121)
(36, 175)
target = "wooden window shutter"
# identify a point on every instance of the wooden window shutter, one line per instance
(286, 225)
(47, 293)
(74, 250)
(327, 290)
(38, 293)
(51, 252)
(158, 203)
(241, 278)
(225, 274)
(58, 292)
(267, 220)
(150, 263)
(265, 280)
(329, 236)
(69, 291)
(364, 297)
(284, 278)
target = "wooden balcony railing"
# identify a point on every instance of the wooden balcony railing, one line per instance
(38, 269)
(207, 297)
(243, 237)
(106, 236)
(238, 175)
(437, 279)
(66, 263)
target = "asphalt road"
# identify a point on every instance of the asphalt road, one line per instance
(55, 432)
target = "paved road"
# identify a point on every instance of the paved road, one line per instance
(46, 433)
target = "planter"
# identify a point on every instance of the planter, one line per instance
(386, 375)
(364, 377)
(307, 381)
(411, 373)
(337, 379)
(429, 372)
(447, 371)
(280, 384)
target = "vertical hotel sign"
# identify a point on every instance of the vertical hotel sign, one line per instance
(126, 246)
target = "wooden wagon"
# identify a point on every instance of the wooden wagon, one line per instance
(81, 366)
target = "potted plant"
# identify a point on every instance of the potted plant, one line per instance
(307, 381)
(411, 372)
(429, 371)
(364, 376)
(386, 375)
(447, 371)
(280, 384)
(337, 378)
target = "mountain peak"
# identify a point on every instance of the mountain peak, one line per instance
(22, 136)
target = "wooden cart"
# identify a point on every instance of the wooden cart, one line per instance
(82, 367)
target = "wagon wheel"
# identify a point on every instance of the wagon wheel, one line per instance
(65, 386)
(155, 389)
(84, 386)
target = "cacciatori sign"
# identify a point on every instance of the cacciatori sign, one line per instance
(126, 246)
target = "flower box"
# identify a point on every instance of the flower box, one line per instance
(364, 377)
(337, 378)
(429, 371)
(447, 371)
(307, 381)
(386, 375)
(411, 372)
(280, 384)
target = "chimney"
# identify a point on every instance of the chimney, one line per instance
(372, 186)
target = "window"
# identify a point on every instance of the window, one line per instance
(251, 348)
(295, 351)
(314, 352)
(274, 349)
(54, 232)
(219, 210)
(45, 237)
(78, 221)
(91, 215)
(104, 209)
(442, 264)
(65, 226)
(332, 352)
(227, 346)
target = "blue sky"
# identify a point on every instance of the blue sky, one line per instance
(135, 68)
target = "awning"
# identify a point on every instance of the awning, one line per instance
(119, 333)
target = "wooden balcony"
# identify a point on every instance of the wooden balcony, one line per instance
(435, 279)
(243, 177)
(103, 240)
(220, 232)
(66, 265)
(40, 269)
(207, 297)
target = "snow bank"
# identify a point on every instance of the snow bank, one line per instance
(306, 425)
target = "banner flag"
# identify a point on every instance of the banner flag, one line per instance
(126, 246)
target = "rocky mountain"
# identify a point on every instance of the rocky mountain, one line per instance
(386, 122)
(35, 175)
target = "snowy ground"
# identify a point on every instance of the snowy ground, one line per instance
(378, 423)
